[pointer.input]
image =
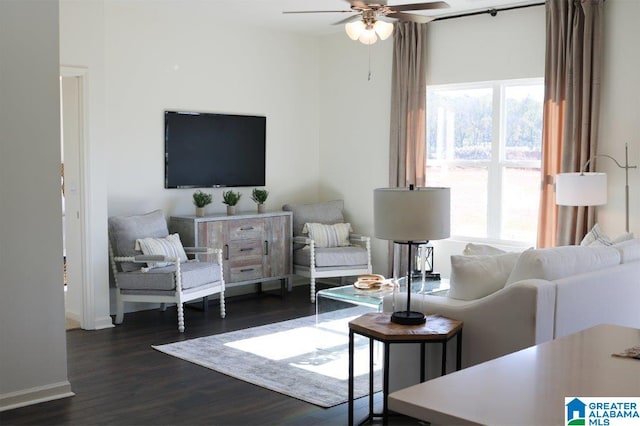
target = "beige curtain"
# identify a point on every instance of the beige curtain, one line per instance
(571, 111)
(407, 147)
(408, 101)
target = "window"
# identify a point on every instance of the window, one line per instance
(484, 141)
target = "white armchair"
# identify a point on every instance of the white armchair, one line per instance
(324, 245)
(149, 265)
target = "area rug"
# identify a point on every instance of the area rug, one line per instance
(299, 358)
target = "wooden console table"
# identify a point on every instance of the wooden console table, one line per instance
(256, 247)
(529, 386)
(377, 326)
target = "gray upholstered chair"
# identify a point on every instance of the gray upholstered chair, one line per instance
(329, 249)
(149, 265)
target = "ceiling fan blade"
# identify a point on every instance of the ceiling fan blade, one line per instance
(349, 19)
(421, 19)
(359, 4)
(420, 6)
(318, 11)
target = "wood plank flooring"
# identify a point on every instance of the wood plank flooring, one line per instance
(119, 379)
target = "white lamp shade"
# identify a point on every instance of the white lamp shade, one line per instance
(354, 29)
(401, 214)
(368, 36)
(384, 29)
(576, 189)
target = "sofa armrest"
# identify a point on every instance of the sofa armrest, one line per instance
(513, 318)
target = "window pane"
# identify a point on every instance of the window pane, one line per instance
(523, 119)
(520, 199)
(459, 124)
(468, 197)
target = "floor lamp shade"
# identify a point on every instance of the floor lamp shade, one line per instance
(402, 214)
(581, 189)
(411, 216)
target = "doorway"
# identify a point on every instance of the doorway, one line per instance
(72, 124)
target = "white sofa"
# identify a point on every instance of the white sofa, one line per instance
(548, 293)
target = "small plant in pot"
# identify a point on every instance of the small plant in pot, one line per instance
(231, 198)
(260, 196)
(201, 200)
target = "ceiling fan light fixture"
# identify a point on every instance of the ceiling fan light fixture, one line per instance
(384, 29)
(368, 36)
(354, 29)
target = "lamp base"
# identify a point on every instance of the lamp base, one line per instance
(408, 318)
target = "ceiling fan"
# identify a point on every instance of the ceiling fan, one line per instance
(365, 23)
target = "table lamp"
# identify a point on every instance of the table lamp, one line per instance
(411, 216)
(590, 189)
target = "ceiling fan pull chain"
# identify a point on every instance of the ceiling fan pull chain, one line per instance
(369, 75)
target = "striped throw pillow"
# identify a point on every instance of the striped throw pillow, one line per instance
(170, 246)
(336, 235)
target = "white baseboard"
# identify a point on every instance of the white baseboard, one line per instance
(104, 322)
(9, 401)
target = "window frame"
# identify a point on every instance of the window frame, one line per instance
(498, 162)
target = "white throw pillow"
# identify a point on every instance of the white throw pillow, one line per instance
(336, 235)
(170, 246)
(629, 250)
(595, 237)
(473, 277)
(477, 249)
(559, 262)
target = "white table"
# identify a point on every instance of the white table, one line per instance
(529, 386)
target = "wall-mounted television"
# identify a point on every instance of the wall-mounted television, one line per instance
(213, 150)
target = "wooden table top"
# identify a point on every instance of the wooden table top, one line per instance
(529, 386)
(378, 325)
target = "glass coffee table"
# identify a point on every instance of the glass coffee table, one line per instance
(348, 296)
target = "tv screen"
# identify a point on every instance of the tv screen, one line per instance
(209, 150)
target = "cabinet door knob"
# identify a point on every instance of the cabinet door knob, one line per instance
(266, 248)
(246, 228)
(246, 269)
(226, 252)
(246, 249)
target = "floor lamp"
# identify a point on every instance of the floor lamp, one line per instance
(590, 189)
(411, 216)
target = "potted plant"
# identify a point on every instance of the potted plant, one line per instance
(201, 200)
(231, 198)
(260, 196)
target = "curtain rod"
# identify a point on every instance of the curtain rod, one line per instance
(492, 12)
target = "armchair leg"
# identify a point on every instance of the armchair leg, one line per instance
(313, 290)
(223, 311)
(180, 317)
(163, 307)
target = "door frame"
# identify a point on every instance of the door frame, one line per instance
(87, 313)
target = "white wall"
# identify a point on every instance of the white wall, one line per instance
(163, 55)
(354, 135)
(620, 114)
(33, 364)
(82, 45)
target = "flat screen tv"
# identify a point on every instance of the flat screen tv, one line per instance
(213, 150)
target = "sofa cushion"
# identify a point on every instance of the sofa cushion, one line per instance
(332, 257)
(629, 250)
(473, 277)
(194, 274)
(336, 235)
(170, 246)
(559, 262)
(329, 212)
(595, 237)
(125, 230)
(472, 249)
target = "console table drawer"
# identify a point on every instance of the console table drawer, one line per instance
(238, 250)
(247, 229)
(245, 273)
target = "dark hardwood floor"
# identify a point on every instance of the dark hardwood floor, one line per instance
(119, 379)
